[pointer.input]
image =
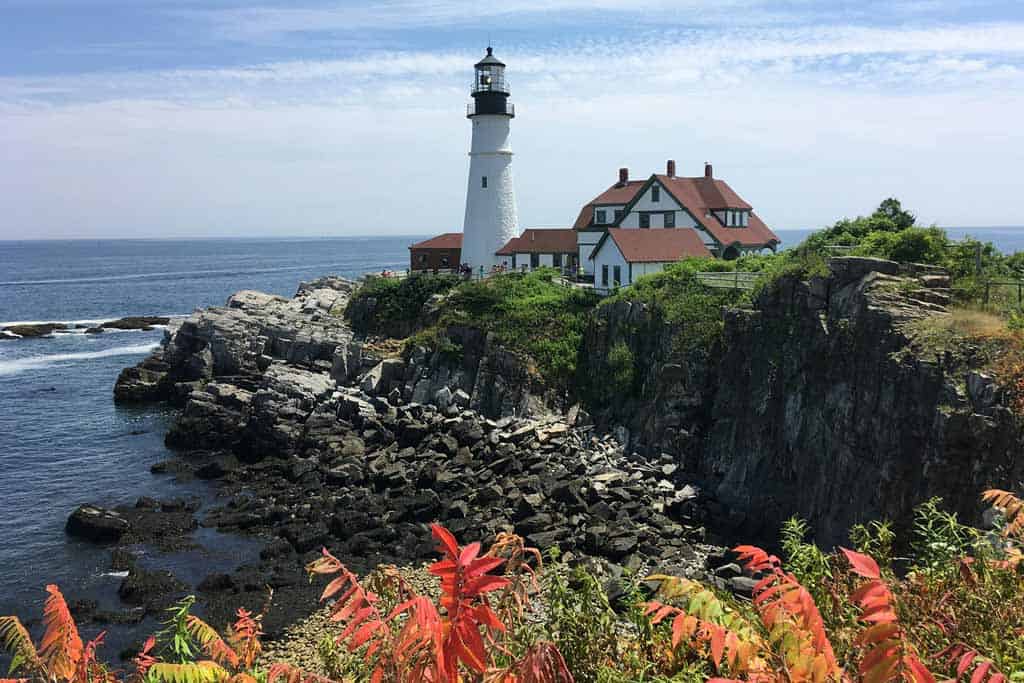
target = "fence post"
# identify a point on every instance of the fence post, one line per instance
(987, 285)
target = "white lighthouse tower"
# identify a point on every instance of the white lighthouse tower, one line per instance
(491, 219)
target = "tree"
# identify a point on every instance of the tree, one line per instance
(893, 210)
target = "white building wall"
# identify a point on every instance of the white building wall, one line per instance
(645, 203)
(491, 218)
(641, 269)
(609, 256)
(586, 241)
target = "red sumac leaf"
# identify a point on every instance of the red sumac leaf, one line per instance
(862, 564)
(965, 663)
(979, 674)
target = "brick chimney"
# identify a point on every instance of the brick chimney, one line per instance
(708, 173)
(623, 176)
(670, 168)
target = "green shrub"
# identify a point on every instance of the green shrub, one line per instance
(913, 245)
(622, 367)
(680, 299)
(531, 313)
(398, 301)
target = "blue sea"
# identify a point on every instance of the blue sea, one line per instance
(62, 440)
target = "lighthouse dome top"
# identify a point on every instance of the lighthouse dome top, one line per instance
(490, 59)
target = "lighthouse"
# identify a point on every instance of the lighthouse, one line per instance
(491, 219)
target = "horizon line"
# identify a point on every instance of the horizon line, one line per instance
(404, 235)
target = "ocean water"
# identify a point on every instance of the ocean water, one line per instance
(64, 442)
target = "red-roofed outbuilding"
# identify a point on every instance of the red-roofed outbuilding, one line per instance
(437, 253)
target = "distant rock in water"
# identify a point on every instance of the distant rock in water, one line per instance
(31, 331)
(132, 322)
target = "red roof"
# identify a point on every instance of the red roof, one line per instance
(658, 245)
(449, 240)
(541, 241)
(699, 196)
(616, 194)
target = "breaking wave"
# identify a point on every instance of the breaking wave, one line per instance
(14, 366)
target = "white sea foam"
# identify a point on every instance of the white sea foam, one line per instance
(116, 575)
(91, 322)
(13, 367)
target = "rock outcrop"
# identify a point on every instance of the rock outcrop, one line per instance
(244, 338)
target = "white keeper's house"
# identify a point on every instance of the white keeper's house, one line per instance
(722, 224)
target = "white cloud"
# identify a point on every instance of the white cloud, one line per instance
(807, 121)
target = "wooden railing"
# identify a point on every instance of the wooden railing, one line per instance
(996, 284)
(728, 280)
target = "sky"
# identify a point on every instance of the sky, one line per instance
(153, 118)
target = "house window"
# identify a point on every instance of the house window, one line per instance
(513, 261)
(618, 215)
(645, 220)
(604, 276)
(483, 182)
(670, 219)
(535, 260)
(601, 217)
(655, 194)
(556, 260)
(617, 275)
(745, 218)
(444, 262)
(423, 259)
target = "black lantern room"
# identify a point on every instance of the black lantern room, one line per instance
(490, 90)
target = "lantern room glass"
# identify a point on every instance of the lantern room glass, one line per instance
(490, 78)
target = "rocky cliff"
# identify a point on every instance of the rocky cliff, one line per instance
(817, 402)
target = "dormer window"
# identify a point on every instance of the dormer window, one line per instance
(655, 194)
(600, 217)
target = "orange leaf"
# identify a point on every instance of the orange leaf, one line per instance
(918, 671)
(717, 644)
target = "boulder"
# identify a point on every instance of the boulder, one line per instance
(96, 524)
(156, 589)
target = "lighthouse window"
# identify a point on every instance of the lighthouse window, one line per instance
(483, 182)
